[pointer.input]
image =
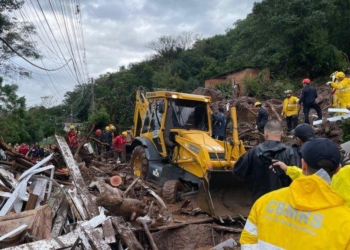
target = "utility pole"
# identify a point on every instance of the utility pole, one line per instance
(92, 96)
(71, 114)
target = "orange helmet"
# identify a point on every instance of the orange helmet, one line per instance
(306, 81)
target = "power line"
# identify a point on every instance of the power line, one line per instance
(37, 66)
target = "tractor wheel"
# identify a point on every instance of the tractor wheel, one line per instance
(139, 162)
(170, 191)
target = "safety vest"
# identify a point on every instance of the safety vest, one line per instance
(290, 106)
(306, 215)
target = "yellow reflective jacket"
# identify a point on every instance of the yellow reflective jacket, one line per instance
(290, 106)
(306, 215)
(340, 181)
(343, 92)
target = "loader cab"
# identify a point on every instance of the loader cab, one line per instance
(169, 113)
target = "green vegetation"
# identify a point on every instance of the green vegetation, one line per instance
(294, 38)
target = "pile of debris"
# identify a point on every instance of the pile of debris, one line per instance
(247, 113)
(61, 202)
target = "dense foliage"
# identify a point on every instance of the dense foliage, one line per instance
(295, 39)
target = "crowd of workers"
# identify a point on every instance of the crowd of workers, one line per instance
(301, 192)
(105, 140)
(35, 152)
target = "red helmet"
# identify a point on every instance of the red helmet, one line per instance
(98, 132)
(306, 81)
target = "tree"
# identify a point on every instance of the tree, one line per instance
(170, 46)
(15, 39)
(12, 113)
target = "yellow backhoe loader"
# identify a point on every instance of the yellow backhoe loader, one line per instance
(172, 147)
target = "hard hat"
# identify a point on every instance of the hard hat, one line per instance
(98, 132)
(288, 91)
(71, 127)
(257, 104)
(339, 75)
(124, 133)
(107, 128)
(111, 127)
(306, 81)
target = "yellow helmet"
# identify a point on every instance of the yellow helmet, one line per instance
(257, 104)
(71, 127)
(339, 75)
(124, 133)
(107, 128)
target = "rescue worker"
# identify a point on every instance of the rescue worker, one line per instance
(302, 133)
(23, 149)
(343, 89)
(71, 132)
(16, 148)
(219, 124)
(107, 138)
(306, 215)
(74, 141)
(254, 167)
(307, 98)
(290, 110)
(262, 117)
(118, 145)
(98, 136)
(340, 181)
(112, 129)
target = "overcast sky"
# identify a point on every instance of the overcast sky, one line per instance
(114, 34)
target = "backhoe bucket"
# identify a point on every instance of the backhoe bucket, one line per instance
(222, 195)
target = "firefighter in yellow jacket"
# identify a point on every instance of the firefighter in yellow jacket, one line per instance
(306, 215)
(343, 89)
(340, 181)
(290, 110)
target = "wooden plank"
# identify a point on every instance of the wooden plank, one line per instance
(126, 234)
(84, 239)
(108, 231)
(60, 219)
(64, 241)
(31, 202)
(8, 179)
(14, 197)
(75, 173)
(55, 200)
(14, 231)
(40, 190)
(73, 208)
(79, 204)
(38, 222)
(95, 239)
(36, 166)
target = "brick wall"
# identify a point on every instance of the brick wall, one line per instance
(238, 76)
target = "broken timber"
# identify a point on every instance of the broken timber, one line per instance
(82, 190)
(64, 241)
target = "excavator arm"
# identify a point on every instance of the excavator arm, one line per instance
(141, 107)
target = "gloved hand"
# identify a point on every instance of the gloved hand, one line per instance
(256, 126)
(282, 114)
(328, 83)
(333, 77)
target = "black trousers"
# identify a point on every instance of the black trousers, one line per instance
(314, 106)
(218, 137)
(292, 122)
